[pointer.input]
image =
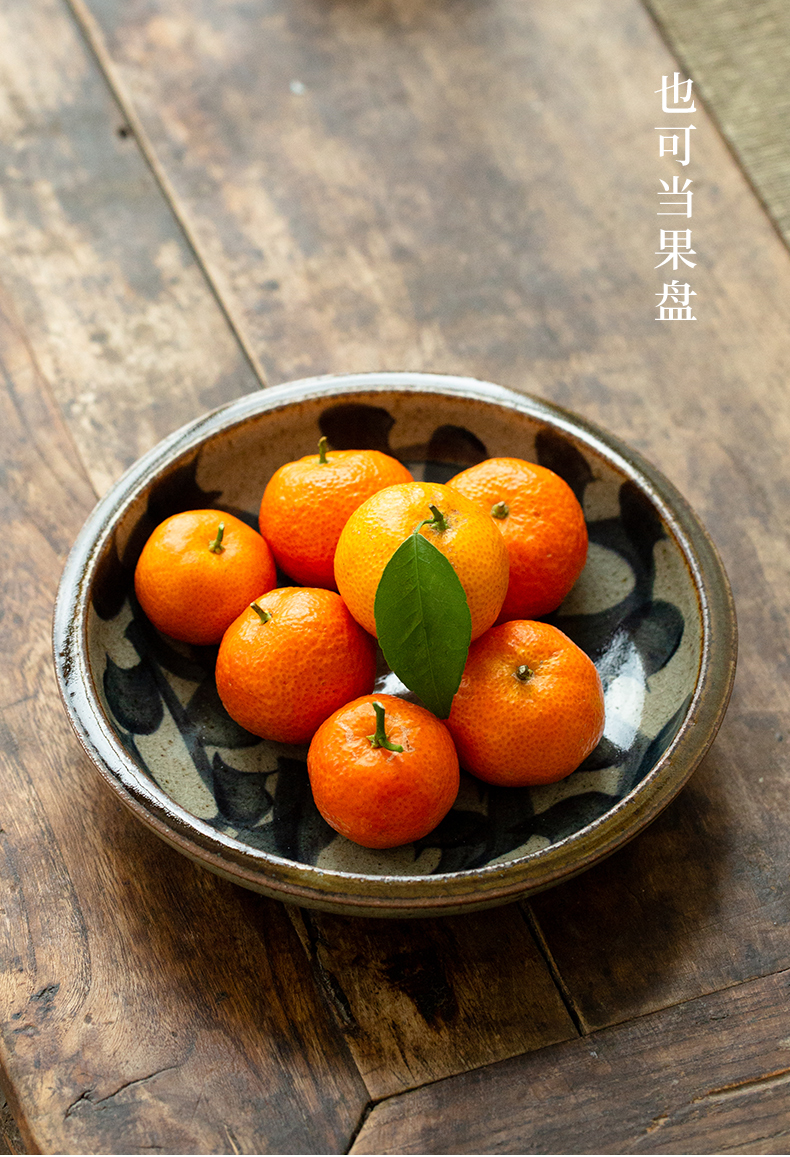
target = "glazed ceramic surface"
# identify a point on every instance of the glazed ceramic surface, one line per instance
(652, 608)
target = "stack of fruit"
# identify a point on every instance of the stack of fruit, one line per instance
(448, 578)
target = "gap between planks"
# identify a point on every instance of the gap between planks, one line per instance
(94, 40)
(669, 1117)
(543, 948)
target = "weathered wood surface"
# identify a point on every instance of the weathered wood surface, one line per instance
(449, 187)
(415, 185)
(699, 901)
(10, 1137)
(144, 1003)
(739, 56)
(709, 1076)
(474, 188)
(421, 1000)
(111, 297)
(155, 1006)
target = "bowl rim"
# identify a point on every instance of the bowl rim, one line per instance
(351, 892)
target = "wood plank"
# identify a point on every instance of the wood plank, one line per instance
(346, 228)
(144, 1004)
(473, 188)
(709, 1076)
(110, 294)
(129, 1073)
(10, 1137)
(423, 999)
(699, 900)
(493, 1037)
(739, 57)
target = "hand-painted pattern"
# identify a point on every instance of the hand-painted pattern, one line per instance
(166, 711)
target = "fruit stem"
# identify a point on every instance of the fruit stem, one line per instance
(523, 673)
(380, 738)
(216, 546)
(263, 615)
(322, 451)
(500, 510)
(438, 522)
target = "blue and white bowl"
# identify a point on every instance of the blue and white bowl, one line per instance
(652, 608)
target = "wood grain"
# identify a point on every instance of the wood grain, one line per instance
(10, 1137)
(430, 194)
(739, 57)
(467, 187)
(699, 900)
(115, 304)
(446, 186)
(144, 1004)
(710, 1076)
(420, 1000)
(103, 919)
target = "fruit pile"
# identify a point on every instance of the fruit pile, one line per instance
(448, 579)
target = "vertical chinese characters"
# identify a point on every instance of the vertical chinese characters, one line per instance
(675, 199)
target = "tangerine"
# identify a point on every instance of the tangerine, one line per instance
(306, 505)
(465, 535)
(290, 660)
(197, 572)
(530, 706)
(542, 524)
(384, 771)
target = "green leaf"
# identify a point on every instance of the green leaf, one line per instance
(423, 622)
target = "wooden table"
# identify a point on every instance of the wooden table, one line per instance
(201, 196)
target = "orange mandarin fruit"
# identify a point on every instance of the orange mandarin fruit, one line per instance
(383, 777)
(469, 540)
(530, 706)
(290, 660)
(198, 571)
(306, 505)
(542, 525)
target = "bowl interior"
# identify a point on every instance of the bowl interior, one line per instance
(635, 610)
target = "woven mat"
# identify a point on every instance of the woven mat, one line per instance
(738, 54)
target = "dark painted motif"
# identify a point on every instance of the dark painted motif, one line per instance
(272, 809)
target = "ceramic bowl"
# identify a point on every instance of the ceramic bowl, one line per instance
(652, 608)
